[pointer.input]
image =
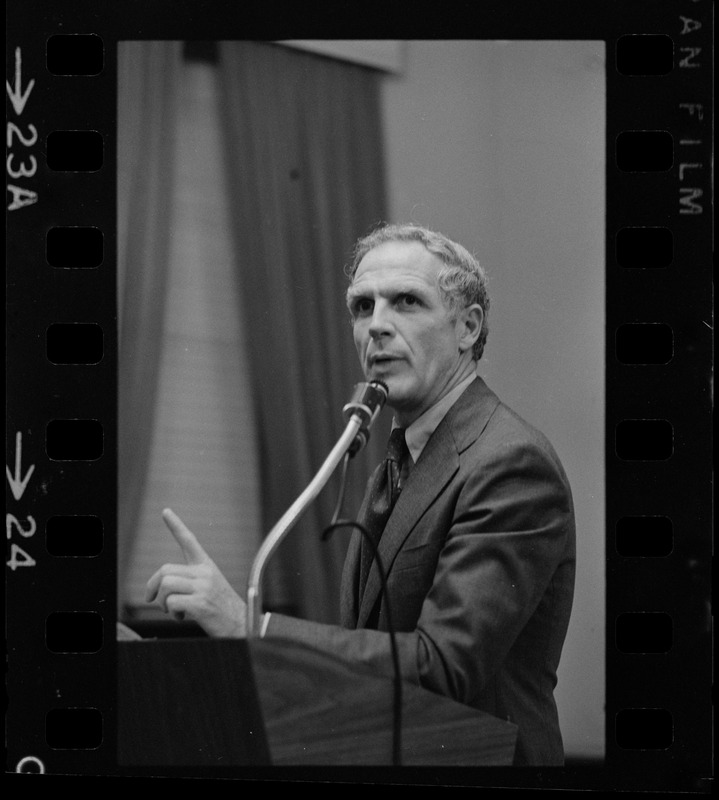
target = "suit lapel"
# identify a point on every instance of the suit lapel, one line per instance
(436, 466)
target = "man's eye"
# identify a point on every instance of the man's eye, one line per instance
(361, 307)
(408, 300)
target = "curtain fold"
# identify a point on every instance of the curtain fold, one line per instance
(148, 76)
(304, 159)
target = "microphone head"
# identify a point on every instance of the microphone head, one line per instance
(367, 401)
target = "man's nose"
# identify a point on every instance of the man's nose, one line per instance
(381, 323)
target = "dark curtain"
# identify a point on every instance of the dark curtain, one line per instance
(304, 157)
(148, 76)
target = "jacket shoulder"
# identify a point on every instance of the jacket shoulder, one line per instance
(481, 422)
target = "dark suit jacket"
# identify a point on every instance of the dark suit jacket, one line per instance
(479, 554)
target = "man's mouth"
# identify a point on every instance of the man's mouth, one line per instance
(382, 359)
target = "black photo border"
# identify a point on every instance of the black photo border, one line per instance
(677, 487)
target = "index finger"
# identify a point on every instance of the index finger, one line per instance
(191, 548)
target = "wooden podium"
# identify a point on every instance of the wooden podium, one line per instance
(232, 702)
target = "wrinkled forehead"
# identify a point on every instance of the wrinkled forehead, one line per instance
(393, 271)
(396, 260)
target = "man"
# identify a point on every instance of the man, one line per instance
(479, 548)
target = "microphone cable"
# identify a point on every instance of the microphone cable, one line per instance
(341, 494)
(397, 693)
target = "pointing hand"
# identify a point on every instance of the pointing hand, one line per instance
(196, 589)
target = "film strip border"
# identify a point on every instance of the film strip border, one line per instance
(659, 257)
(61, 370)
(62, 358)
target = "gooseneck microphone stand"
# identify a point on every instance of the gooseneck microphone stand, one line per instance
(362, 410)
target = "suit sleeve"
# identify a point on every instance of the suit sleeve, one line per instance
(511, 526)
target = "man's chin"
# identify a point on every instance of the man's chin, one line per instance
(396, 393)
(386, 376)
(399, 392)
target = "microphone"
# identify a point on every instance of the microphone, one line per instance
(365, 404)
(361, 411)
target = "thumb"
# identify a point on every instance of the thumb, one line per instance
(191, 548)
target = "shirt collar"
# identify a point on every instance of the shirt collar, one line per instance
(418, 433)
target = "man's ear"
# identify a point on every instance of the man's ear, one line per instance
(470, 322)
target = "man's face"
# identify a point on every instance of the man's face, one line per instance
(403, 331)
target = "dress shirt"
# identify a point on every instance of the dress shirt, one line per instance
(418, 433)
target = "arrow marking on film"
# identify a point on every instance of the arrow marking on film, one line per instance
(16, 481)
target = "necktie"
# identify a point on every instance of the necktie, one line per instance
(383, 496)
